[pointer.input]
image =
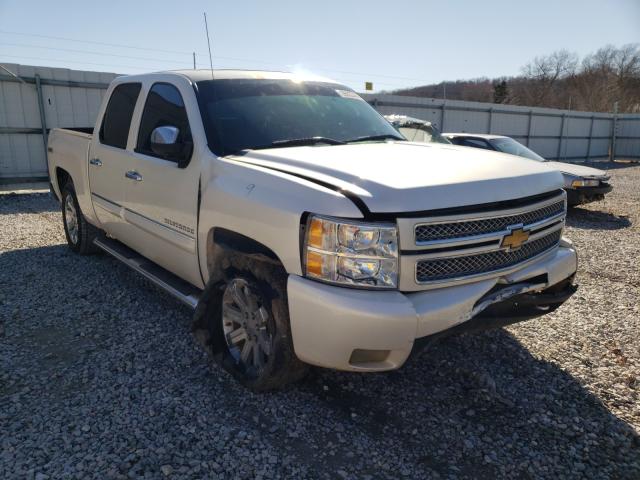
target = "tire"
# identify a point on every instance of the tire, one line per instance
(248, 325)
(80, 233)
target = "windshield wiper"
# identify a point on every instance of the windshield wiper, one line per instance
(371, 138)
(306, 141)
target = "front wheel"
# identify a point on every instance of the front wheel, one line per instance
(80, 234)
(251, 325)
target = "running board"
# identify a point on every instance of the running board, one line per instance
(167, 281)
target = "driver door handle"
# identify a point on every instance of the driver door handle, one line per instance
(96, 161)
(133, 175)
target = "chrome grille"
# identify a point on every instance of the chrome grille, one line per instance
(443, 231)
(464, 266)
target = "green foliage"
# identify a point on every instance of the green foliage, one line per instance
(500, 92)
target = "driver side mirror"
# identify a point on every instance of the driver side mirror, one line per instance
(166, 144)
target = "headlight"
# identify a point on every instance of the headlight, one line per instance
(347, 252)
(584, 182)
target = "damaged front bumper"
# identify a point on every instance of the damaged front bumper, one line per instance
(363, 330)
(581, 195)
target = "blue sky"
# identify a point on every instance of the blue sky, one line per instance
(392, 44)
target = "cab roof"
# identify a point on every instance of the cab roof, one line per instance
(206, 74)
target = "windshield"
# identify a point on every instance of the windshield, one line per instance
(509, 145)
(240, 114)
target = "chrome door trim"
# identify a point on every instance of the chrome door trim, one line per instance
(157, 229)
(106, 205)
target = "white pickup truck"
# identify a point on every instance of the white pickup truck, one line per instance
(301, 226)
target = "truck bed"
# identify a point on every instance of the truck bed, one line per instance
(68, 151)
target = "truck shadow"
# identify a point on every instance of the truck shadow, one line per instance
(15, 203)
(596, 220)
(490, 403)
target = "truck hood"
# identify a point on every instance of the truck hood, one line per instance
(578, 170)
(408, 176)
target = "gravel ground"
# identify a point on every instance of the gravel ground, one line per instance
(100, 377)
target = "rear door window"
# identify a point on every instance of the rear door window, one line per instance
(117, 117)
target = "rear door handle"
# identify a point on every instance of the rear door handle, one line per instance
(133, 175)
(96, 161)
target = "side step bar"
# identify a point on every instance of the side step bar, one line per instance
(167, 281)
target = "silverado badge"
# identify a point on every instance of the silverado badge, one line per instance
(515, 239)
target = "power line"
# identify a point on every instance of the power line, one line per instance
(95, 53)
(65, 62)
(76, 62)
(249, 60)
(94, 42)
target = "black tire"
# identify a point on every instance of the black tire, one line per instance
(79, 238)
(267, 281)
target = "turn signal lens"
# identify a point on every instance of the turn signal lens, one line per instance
(584, 182)
(314, 263)
(315, 236)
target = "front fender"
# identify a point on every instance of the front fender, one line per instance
(265, 206)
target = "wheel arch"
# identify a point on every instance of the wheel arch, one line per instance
(62, 176)
(221, 242)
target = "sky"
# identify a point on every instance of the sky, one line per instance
(392, 44)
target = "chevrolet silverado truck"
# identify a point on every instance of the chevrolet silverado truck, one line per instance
(301, 227)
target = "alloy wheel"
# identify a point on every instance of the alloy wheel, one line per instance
(245, 324)
(71, 219)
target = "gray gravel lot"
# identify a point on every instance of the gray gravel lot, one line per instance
(100, 377)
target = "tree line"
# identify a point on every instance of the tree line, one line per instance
(559, 80)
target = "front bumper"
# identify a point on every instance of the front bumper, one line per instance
(580, 195)
(364, 330)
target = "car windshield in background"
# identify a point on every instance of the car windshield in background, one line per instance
(509, 145)
(422, 133)
(265, 113)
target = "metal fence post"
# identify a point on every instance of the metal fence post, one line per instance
(614, 128)
(490, 120)
(43, 118)
(529, 125)
(443, 112)
(589, 141)
(561, 136)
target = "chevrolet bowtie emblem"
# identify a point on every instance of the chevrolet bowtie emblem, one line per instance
(515, 239)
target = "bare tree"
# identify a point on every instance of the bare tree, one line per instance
(609, 75)
(612, 75)
(545, 72)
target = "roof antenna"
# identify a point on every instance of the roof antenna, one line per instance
(208, 43)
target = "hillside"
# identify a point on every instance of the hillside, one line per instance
(558, 80)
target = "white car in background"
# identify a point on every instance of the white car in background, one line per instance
(583, 184)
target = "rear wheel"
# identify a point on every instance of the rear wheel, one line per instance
(80, 234)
